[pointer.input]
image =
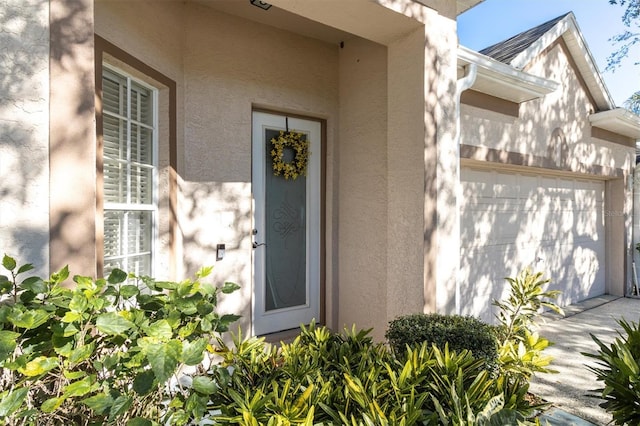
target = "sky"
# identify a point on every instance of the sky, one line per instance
(495, 20)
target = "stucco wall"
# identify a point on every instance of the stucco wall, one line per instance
(363, 185)
(24, 127)
(386, 121)
(554, 132)
(232, 65)
(567, 109)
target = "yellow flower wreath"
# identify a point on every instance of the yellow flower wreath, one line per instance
(296, 141)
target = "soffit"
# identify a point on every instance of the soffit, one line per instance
(618, 120)
(501, 80)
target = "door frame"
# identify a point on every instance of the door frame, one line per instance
(321, 215)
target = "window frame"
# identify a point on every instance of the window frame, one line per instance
(153, 206)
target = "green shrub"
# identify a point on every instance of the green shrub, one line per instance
(106, 351)
(619, 370)
(459, 332)
(520, 346)
(347, 379)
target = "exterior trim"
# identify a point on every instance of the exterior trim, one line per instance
(597, 132)
(103, 46)
(323, 201)
(503, 80)
(491, 103)
(508, 158)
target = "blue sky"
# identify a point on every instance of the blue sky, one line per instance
(496, 20)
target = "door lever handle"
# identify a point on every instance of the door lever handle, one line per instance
(256, 245)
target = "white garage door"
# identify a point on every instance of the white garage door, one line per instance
(510, 220)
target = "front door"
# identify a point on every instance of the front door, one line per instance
(286, 220)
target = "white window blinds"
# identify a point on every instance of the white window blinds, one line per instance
(129, 172)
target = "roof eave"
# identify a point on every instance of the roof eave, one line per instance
(503, 81)
(464, 5)
(618, 120)
(568, 29)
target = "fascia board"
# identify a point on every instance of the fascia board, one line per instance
(518, 86)
(569, 30)
(618, 120)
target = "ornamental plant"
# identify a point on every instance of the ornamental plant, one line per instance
(107, 351)
(520, 346)
(459, 332)
(325, 378)
(618, 368)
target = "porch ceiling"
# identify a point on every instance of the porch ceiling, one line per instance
(278, 18)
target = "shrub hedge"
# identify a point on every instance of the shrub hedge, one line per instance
(459, 332)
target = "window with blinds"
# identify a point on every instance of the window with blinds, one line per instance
(129, 171)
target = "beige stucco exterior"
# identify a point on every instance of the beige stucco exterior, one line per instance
(552, 136)
(24, 131)
(379, 74)
(378, 92)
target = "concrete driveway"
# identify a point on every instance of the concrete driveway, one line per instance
(569, 389)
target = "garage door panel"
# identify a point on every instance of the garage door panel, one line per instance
(553, 224)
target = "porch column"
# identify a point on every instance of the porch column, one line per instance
(441, 230)
(406, 173)
(72, 139)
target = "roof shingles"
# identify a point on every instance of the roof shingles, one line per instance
(505, 51)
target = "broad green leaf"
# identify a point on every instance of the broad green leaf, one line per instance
(35, 284)
(83, 282)
(204, 308)
(206, 325)
(9, 263)
(127, 291)
(72, 375)
(193, 352)
(10, 402)
(188, 305)
(120, 406)
(204, 271)
(60, 276)
(229, 287)
(100, 403)
(79, 388)
(71, 316)
(52, 404)
(117, 276)
(8, 342)
(188, 329)
(78, 302)
(82, 353)
(62, 345)
(24, 268)
(204, 385)
(112, 323)
(39, 365)
(139, 421)
(161, 330)
(163, 358)
(167, 285)
(225, 320)
(143, 383)
(30, 319)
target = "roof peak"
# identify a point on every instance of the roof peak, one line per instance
(506, 50)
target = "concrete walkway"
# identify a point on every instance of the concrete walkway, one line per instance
(569, 389)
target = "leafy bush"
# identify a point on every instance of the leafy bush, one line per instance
(521, 347)
(619, 370)
(329, 378)
(106, 351)
(459, 332)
